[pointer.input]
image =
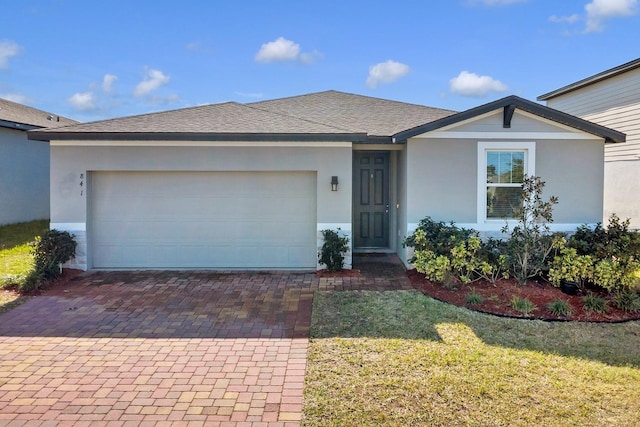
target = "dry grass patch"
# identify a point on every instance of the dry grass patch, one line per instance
(401, 358)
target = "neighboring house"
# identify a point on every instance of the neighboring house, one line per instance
(24, 164)
(237, 186)
(612, 99)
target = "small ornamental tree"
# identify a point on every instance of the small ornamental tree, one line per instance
(530, 242)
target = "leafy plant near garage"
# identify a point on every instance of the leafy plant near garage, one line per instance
(560, 308)
(333, 250)
(50, 251)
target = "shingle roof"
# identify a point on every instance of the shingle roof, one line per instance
(327, 115)
(373, 116)
(631, 65)
(20, 116)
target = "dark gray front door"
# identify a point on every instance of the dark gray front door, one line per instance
(371, 199)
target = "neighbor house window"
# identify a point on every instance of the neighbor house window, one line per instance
(502, 168)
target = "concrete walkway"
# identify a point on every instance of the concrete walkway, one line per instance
(156, 348)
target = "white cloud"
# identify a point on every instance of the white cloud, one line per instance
(280, 49)
(83, 101)
(568, 19)
(471, 84)
(107, 82)
(600, 10)
(386, 72)
(152, 81)
(16, 97)
(310, 57)
(597, 12)
(8, 49)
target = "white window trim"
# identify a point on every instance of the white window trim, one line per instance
(529, 149)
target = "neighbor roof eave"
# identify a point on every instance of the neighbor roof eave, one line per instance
(631, 65)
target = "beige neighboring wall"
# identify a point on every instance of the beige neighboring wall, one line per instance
(72, 161)
(615, 103)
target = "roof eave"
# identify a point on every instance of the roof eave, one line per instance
(18, 126)
(44, 135)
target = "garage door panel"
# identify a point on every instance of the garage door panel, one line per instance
(203, 220)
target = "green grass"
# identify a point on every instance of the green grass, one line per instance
(15, 256)
(15, 251)
(401, 359)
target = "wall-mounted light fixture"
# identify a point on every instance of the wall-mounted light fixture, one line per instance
(334, 183)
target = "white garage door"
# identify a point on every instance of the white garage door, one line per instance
(203, 220)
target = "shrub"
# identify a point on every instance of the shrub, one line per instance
(595, 303)
(616, 240)
(530, 242)
(474, 298)
(616, 274)
(333, 248)
(615, 251)
(50, 251)
(628, 301)
(560, 308)
(568, 265)
(448, 254)
(523, 305)
(437, 236)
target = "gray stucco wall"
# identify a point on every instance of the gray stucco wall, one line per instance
(443, 175)
(573, 170)
(70, 165)
(622, 190)
(24, 177)
(441, 180)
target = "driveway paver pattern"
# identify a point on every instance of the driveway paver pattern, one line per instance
(156, 348)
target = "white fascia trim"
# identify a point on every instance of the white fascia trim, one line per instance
(68, 226)
(135, 143)
(483, 146)
(509, 135)
(344, 226)
(445, 129)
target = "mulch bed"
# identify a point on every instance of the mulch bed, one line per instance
(497, 299)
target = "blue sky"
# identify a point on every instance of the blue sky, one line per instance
(94, 60)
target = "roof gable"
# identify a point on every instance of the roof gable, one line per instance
(18, 116)
(509, 105)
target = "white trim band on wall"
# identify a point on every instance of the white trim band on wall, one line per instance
(68, 226)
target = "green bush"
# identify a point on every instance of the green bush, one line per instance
(523, 305)
(474, 298)
(449, 254)
(628, 301)
(595, 303)
(568, 265)
(333, 250)
(50, 251)
(437, 237)
(615, 251)
(560, 308)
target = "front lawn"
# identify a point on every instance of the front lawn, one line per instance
(15, 255)
(402, 358)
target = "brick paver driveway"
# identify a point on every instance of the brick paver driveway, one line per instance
(129, 348)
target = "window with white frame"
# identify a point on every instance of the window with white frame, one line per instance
(501, 171)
